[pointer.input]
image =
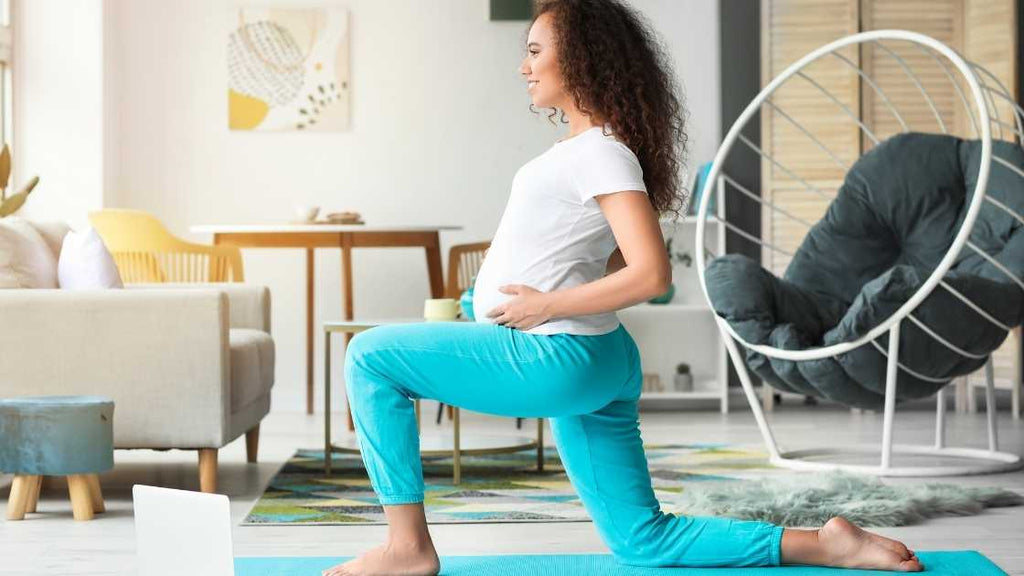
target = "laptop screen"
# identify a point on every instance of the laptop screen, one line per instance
(180, 532)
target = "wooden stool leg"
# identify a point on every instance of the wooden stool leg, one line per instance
(208, 470)
(96, 494)
(252, 444)
(33, 495)
(81, 501)
(18, 500)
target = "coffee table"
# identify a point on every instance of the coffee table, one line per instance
(431, 446)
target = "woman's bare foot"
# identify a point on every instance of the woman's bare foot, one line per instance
(391, 559)
(848, 546)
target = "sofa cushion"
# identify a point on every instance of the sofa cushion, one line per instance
(86, 264)
(26, 261)
(53, 233)
(252, 366)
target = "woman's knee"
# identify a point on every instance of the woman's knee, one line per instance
(361, 346)
(642, 541)
(362, 355)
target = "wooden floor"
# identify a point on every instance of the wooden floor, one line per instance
(52, 543)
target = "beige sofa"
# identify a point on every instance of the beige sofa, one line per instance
(188, 366)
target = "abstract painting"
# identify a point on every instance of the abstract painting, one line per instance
(288, 69)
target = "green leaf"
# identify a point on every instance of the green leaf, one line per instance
(14, 203)
(30, 186)
(5, 166)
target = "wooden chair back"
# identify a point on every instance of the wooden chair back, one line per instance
(464, 261)
(145, 251)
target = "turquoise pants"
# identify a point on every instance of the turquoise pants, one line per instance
(587, 386)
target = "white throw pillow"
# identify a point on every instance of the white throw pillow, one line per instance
(86, 264)
(25, 259)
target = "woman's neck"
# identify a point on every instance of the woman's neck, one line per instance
(580, 122)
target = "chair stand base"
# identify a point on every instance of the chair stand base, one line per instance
(983, 461)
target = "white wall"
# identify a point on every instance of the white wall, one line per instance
(439, 127)
(58, 98)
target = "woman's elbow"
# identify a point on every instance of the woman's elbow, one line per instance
(661, 280)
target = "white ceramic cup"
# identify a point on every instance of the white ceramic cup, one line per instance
(306, 213)
(440, 309)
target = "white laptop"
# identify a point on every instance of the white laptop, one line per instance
(179, 532)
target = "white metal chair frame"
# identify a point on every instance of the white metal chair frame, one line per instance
(976, 461)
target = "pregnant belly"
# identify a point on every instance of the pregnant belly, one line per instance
(485, 297)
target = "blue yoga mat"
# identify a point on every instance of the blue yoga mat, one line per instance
(946, 563)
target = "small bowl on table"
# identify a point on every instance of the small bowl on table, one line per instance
(306, 213)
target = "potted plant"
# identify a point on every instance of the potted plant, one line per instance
(683, 381)
(10, 205)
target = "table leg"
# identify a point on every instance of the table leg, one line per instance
(434, 267)
(457, 453)
(346, 282)
(348, 408)
(327, 403)
(540, 444)
(310, 273)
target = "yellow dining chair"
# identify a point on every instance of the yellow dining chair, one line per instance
(145, 251)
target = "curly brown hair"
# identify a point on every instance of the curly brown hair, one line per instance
(615, 68)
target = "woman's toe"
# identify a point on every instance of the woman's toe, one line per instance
(912, 565)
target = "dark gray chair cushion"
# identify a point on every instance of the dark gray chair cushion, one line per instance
(891, 223)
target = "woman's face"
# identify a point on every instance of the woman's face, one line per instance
(540, 67)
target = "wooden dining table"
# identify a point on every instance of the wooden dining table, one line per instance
(344, 236)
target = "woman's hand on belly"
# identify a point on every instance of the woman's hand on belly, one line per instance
(527, 309)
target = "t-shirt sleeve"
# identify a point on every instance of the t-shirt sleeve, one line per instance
(607, 167)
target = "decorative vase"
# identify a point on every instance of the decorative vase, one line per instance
(683, 379)
(666, 297)
(466, 301)
(684, 382)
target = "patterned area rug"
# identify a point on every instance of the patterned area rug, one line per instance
(690, 479)
(500, 488)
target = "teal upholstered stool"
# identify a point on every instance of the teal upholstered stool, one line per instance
(69, 436)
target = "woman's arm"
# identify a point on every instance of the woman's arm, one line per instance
(615, 262)
(646, 274)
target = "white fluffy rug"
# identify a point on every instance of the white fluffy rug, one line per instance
(811, 499)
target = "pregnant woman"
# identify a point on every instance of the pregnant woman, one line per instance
(579, 239)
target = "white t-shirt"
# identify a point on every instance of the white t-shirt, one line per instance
(553, 234)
